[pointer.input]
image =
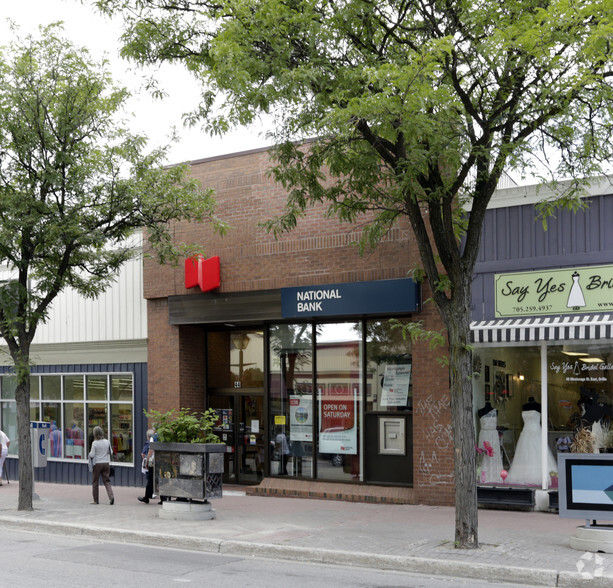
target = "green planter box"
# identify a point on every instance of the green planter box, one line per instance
(189, 470)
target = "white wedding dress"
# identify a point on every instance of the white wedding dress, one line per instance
(490, 466)
(526, 466)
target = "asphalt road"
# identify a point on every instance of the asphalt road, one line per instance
(36, 559)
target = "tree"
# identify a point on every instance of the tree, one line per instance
(74, 187)
(416, 107)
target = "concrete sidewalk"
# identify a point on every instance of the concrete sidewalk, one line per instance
(530, 548)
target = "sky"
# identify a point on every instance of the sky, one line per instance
(146, 115)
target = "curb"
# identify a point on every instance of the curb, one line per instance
(420, 565)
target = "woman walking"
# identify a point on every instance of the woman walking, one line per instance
(100, 455)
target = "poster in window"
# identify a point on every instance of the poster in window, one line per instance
(396, 382)
(337, 418)
(301, 418)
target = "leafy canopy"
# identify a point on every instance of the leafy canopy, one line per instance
(415, 106)
(74, 184)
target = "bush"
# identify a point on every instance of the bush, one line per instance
(185, 426)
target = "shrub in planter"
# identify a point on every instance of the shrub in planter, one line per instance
(184, 426)
(189, 457)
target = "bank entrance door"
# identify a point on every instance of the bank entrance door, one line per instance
(243, 428)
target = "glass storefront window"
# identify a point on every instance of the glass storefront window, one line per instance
(389, 368)
(75, 440)
(9, 424)
(63, 405)
(9, 386)
(52, 414)
(513, 403)
(51, 387)
(97, 416)
(339, 373)
(74, 388)
(580, 392)
(121, 388)
(235, 359)
(121, 431)
(96, 388)
(34, 388)
(291, 400)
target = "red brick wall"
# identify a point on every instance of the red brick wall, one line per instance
(175, 361)
(433, 478)
(318, 251)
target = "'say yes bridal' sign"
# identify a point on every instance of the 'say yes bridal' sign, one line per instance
(565, 291)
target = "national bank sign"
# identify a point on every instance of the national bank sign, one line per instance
(399, 296)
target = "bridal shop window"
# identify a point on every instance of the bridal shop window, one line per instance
(508, 425)
(580, 390)
(508, 400)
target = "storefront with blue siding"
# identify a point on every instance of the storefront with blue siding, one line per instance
(75, 399)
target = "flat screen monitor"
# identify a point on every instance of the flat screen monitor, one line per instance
(585, 485)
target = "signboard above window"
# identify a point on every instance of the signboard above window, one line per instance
(564, 291)
(354, 298)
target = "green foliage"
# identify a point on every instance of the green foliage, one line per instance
(417, 108)
(76, 191)
(416, 332)
(184, 426)
(75, 187)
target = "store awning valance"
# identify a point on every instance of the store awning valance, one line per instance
(567, 328)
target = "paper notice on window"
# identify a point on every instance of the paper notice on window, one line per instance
(396, 381)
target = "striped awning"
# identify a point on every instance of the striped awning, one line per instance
(566, 328)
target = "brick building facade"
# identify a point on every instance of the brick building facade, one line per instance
(188, 362)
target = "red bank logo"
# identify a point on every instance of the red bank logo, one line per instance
(202, 272)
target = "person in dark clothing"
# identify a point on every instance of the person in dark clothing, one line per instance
(147, 455)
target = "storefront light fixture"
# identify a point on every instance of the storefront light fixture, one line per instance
(240, 340)
(591, 359)
(575, 353)
(520, 377)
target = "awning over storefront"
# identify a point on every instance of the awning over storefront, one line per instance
(596, 326)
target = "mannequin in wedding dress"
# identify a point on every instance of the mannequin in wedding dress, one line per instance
(491, 466)
(526, 465)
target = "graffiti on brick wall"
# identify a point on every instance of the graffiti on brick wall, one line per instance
(438, 438)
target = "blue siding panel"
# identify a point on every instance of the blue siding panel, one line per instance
(515, 240)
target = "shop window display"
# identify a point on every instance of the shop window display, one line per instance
(61, 401)
(8, 408)
(576, 394)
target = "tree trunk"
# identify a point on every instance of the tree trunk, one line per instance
(22, 397)
(461, 391)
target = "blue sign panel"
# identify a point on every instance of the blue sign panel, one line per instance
(353, 298)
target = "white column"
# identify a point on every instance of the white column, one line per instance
(544, 418)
